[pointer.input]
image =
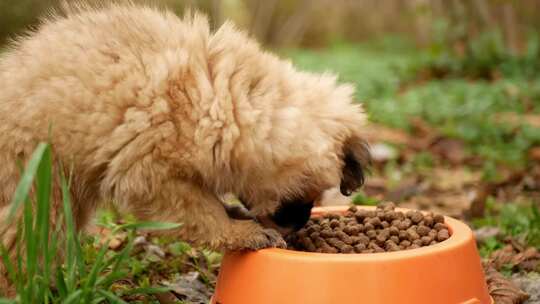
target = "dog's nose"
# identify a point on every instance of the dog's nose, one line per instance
(292, 214)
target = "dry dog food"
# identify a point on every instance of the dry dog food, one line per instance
(369, 231)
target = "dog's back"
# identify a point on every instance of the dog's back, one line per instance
(93, 80)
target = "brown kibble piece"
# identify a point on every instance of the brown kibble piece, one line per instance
(347, 249)
(319, 242)
(351, 230)
(426, 240)
(327, 233)
(335, 242)
(375, 221)
(392, 216)
(375, 247)
(308, 244)
(368, 227)
(353, 209)
(385, 224)
(386, 206)
(359, 248)
(438, 218)
(381, 238)
(393, 230)
(405, 224)
(371, 234)
(395, 239)
(363, 239)
(371, 213)
(329, 249)
(429, 221)
(312, 228)
(443, 235)
(412, 234)
(416, 217)
(409, 213)
(360, 215)
(334, 223)
(391, 246)
(423, 230)
(403, 235)
(344, 237)
(314, 235)
(405, 243)
(439, 226)
(302, 233)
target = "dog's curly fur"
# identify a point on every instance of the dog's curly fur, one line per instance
(162, 116)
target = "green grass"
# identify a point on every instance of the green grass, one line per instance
(39, 273)
(385, 78)
(517, 220)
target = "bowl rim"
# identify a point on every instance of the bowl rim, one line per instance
(460, 235)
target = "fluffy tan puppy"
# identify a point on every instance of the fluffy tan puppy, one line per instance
(162, 116)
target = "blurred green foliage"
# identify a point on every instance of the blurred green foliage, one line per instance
(385, 75)
(486, 55)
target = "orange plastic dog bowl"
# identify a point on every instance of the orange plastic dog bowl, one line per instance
(449, 272)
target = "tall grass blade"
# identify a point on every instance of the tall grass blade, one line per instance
(111, 297)
(75, 262)
(73, 298)
(23, 188)
(31, 250)
(61, 283)
(43, 193)
(92, 276)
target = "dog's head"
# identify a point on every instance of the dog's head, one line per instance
(300, 134)
(326, 150)
(293, 212)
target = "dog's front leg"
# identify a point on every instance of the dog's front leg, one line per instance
(204, 219)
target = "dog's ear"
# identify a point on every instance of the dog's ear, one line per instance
(356, 159)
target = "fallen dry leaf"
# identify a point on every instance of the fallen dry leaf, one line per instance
(406, 189)
(448, 203)
(190, 289)
(378, 133)
(516, 119)
(502, 289)
(445, 179)
(452, 150)
(534, 153)
(511, 255)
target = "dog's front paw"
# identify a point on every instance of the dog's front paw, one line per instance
(259, 238)
(268, 238)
